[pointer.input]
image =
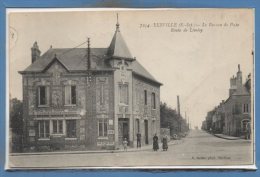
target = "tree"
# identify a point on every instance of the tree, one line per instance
(170, 119)
(16, 125)
(16, 116)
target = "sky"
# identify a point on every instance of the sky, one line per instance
(195, 64)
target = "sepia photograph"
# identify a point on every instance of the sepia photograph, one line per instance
(130, 88)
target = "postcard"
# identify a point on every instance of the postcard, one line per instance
(130, 89)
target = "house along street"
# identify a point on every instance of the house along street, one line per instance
(198, 148)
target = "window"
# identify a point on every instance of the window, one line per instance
(71, 128)
(246, 108)
(145, 97)
(57, 126)
(43, 95)
(153, 101)
(123, 94)
(102, 127)
(137, 125)
(70, 95)
(236, 108)
(153, 126)
(44, 128)
(102, 94)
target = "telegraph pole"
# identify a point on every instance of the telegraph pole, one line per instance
(179, 112)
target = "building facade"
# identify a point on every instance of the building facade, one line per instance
(91, 98)
(232, 116)
(238, 106)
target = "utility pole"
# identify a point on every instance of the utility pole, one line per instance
(179, 112)
(87, 113)
(188, 122)
(88, 55)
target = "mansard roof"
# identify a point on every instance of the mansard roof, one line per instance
(74, 60)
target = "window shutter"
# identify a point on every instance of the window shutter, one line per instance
(37, 97)
(126, 94)
(73, 95)
(67, 95)
(47, 95)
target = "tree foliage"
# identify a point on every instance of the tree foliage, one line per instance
(168, 115)
(16, 116)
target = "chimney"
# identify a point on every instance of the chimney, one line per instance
(239, 81)
(36, 53)
(178, 106)
(88, 55)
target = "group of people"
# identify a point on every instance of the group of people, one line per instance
(155, 142)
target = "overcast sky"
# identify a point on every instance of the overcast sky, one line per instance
(195, 65)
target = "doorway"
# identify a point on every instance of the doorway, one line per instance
(146, 131)
(123, 130)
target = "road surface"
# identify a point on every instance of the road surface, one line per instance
(198, 148)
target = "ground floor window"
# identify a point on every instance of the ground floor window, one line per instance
(102, 127)
(137, 123)
(154, 127)
(57, 126)
(71, 128)
(44, 128)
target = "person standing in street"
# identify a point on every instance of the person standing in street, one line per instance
(248, 131)
(155, 143)
(125, 144)
(165, 143)
(138, 137)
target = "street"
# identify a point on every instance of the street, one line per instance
(198, 148)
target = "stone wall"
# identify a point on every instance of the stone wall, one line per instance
(87, 110)
(97, 99)
(144, 112)
(234, 114)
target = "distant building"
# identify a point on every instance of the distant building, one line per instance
(238, 106)
(204, 125)
(218, 118)
(89, 97)
(233, 116)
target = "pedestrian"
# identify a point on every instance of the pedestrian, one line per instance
(165, 143)
(248, 131)
(138, 137)
(125, 144)
(155, 142)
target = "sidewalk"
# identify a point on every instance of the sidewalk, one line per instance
(228, 137)
(132, 149)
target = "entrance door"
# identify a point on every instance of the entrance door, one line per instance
(146, 131)
(123, 130)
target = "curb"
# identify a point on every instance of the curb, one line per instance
(88, 152)
(235, 138)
